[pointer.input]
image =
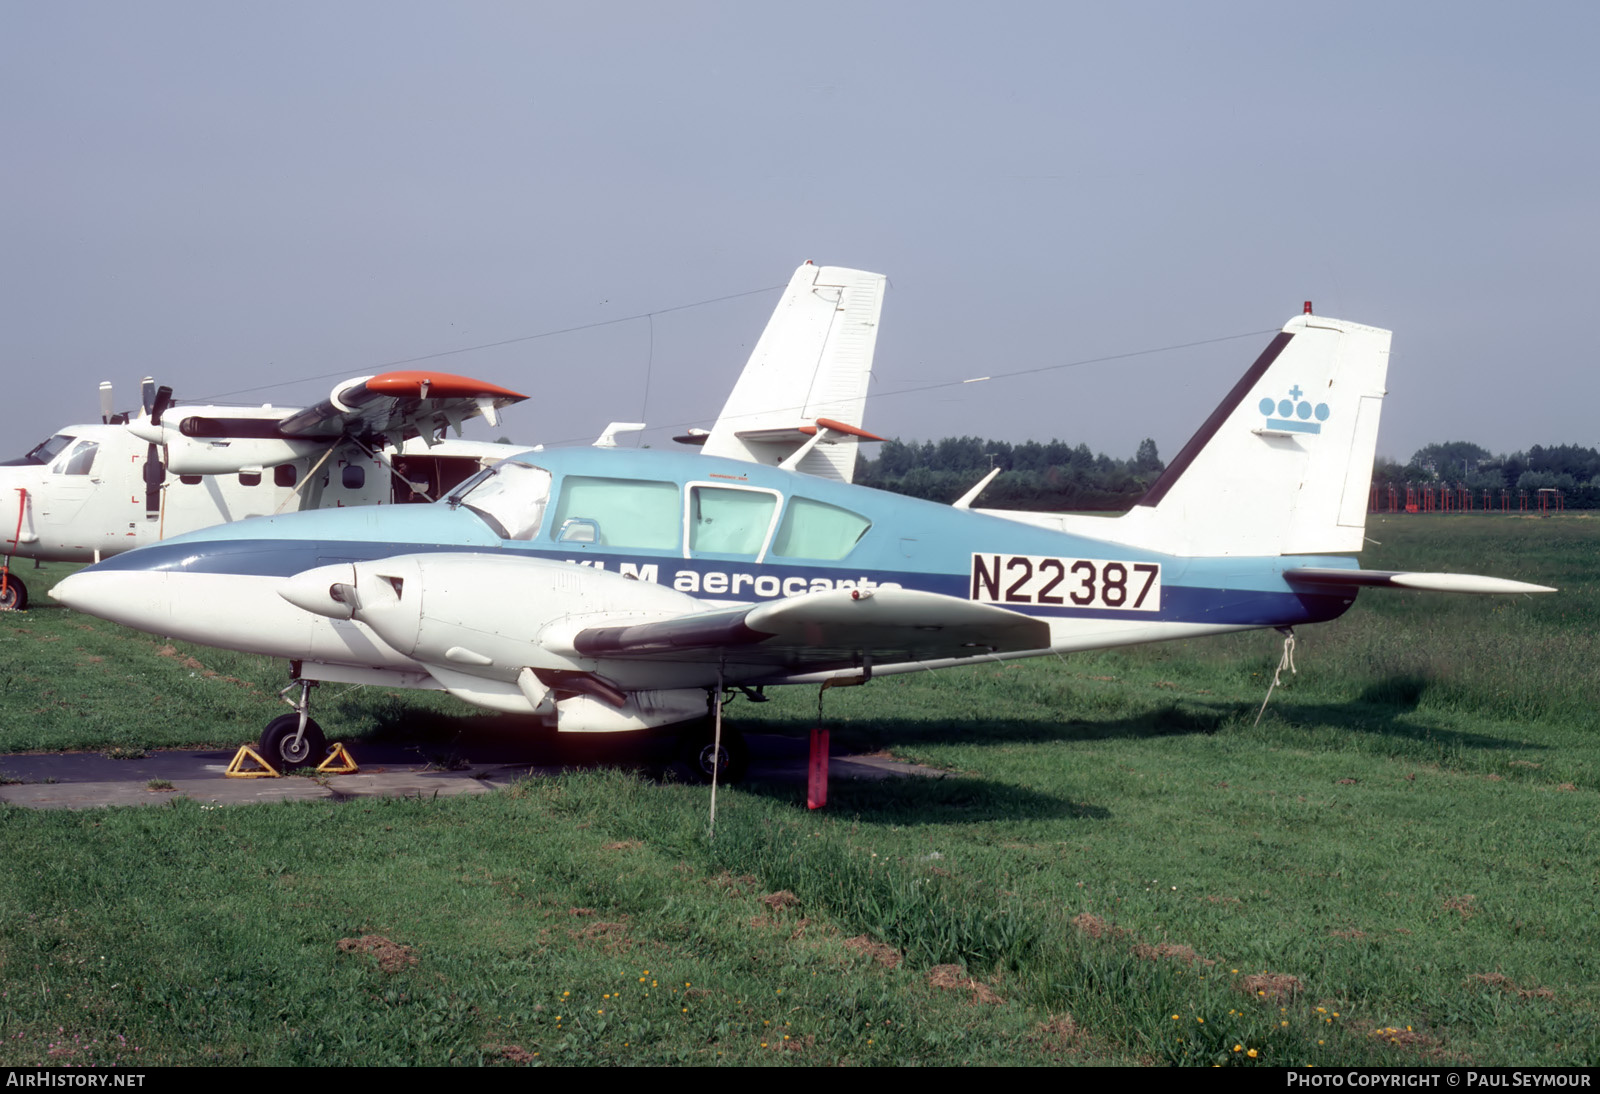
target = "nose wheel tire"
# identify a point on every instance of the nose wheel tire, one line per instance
(15, 596)
(695, 752)
(279, 747)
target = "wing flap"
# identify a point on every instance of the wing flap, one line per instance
(820, 630)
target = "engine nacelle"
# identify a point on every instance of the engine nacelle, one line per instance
(490, 616)
(228, 455)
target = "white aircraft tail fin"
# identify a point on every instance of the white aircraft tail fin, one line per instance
(1284, 465)
(813, 361)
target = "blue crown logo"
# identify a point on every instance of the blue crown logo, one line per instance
(1294, 413)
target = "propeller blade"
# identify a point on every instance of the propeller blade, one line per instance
(105, 402)
(163, 400)
(147, 393)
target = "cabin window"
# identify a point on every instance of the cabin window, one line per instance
(353, 477)
(509, 497)
(81, 459)
(812, 529)
(618, 513)
(285, 475)
(249, 478)
(727, 521)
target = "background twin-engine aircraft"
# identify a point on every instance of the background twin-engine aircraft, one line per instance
(617, 589)
(92, 491)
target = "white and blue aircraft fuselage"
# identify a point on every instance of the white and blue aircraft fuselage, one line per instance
(611, 589)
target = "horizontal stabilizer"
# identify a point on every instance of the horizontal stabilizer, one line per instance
(827, 629)
(1398, 579)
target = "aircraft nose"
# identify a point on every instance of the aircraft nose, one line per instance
(133, 598)
(325, 590)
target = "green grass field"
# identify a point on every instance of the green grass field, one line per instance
(1398, 865)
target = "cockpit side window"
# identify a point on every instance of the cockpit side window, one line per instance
(80, 460)
(510, 497)
(813, 529)
(618, 513)
(729, 521)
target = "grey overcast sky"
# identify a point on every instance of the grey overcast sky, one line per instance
(232, 196)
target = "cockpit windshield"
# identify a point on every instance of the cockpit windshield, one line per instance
(42, 454)
(509, 497)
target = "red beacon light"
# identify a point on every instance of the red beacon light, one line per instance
(1307, 310)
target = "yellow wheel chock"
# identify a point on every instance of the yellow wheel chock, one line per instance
(237, 769)
(339, 762)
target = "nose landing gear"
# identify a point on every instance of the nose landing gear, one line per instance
(294, 740)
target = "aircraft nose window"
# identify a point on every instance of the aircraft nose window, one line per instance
(510, 497)
(49, 450)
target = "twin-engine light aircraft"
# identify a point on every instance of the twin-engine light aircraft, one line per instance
(611, 590)
(93, 491)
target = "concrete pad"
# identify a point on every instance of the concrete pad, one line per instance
(86, 780)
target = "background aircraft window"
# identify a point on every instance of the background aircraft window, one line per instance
(49, 450)
(627, 512)
(729, 522)
(811, 529)
(249, 478)
(82, 458)
(510, 497)
(284, 475)
(354, 476)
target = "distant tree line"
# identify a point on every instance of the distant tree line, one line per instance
(1050, 476)
(1573, 470)
(1054, 476)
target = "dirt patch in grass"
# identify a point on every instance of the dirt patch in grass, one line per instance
(612, 937)
(515, 1054)
(734, 886)
(955, 978)
(1095, 927)
(1465, 905)
(1060, 1035)
(391, 956)
(623, 845)
(580, 911)
(780, 900)
(881, 952)
(1271, 987)
(1170, 951)
(1510, 987)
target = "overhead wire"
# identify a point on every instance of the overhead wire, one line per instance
(650, 317)
(487, 345)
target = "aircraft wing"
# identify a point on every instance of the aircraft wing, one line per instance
(395, 405)
(825, 630)
(400, 403)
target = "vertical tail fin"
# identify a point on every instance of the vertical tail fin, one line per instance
(813, 361)
(1283, 466)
